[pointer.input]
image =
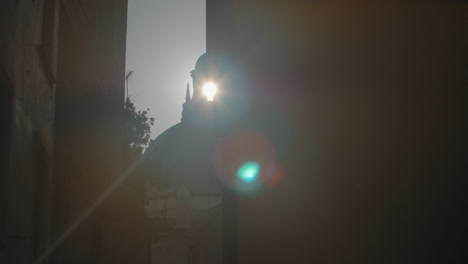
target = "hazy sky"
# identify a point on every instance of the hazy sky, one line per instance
(164, 40)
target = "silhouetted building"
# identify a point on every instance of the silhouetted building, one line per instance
(62, 91)
(186, 203)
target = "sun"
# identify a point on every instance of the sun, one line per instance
(209, 90)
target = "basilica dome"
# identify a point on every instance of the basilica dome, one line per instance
(183, 153)
(186, 195)
(182, 156)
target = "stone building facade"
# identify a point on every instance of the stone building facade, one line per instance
(28, 50)
(62, 70)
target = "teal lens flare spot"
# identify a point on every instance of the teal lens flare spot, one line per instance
(248, 171)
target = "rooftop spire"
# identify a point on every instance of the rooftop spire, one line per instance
(187, 93)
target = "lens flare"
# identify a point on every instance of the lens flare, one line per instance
(249, 171)
(244, 161)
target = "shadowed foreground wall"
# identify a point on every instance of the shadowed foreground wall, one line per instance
(27, 83)
(62, 69)
(363, 104)
(89, 140)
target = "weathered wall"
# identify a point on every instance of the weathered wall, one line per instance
(363, 103)
(89, 142)
(27, 57)
(62, 91)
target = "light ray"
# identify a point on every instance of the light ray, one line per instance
(86, 213)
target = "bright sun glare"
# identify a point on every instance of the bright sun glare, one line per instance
(209, 90)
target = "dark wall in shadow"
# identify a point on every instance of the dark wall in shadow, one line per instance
(363, 103)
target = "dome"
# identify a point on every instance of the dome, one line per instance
(182, 155)
(179, 165)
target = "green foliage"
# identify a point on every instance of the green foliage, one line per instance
(137, 130)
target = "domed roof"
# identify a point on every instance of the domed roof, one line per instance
(183, 155)
(183, 152)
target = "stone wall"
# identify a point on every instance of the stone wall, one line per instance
(27, 57)
(62, 70)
